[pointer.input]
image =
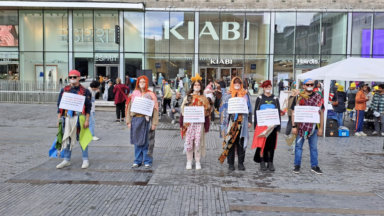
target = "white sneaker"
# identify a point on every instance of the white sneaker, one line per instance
(95, 138)
(382, 134)
(375, 132)
(189, 165)
(357, 134)
(85, 164)
(198, 165)
(63, 164)
(173, 122)
(363, 134)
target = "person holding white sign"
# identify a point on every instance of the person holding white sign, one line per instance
(142, 122)
(235, 119)
(194, 122)
(70, 118)
(307, 129)
(267, 126)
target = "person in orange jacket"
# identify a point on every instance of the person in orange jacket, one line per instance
(360, 106)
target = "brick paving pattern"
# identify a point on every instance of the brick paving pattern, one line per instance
(30, 184)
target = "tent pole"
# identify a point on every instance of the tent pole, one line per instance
(326, 97)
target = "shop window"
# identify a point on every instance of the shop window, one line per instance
(231, 33)
(133, 31)
(133, 63)
(31, 30)
(83, 31)
(157, 32)
(307, 33)
(9, 30)
(9, 66)
(104, 32)
(378, 35)
(56, 30)
(361, 34)
(209, 32)
(159, 64)
(333, 35)
(182, 32)
(255, 71)
(285, 33)
(32, 66)
(257, 40)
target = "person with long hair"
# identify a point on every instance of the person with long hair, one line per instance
(234, 127)
(142, 127)
(121, 93)
(8, 35)
(265, 145)
(194, 133)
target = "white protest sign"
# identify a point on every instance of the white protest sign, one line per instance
(73, 102)
(307, 114)
(268, 117)
(237, 105)
(194, 114)
(143, 106)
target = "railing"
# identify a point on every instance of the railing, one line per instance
(12, 85)
(28, 97)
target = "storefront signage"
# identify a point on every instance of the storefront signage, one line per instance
(5, 57)
(229, 30)
(86, 35)
(253, 66)
(221, 61)
(105, 58)
(307, 61)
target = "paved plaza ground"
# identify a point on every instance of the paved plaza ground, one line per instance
(352, 184)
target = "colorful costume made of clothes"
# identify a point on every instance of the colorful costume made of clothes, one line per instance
(307, 129)
(142, 136)
(234, 127)
(194, 133)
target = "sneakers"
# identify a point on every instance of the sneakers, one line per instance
(198, 165)
(297, 169)
(147, 166)
(135, 165)
(173, 122)
(241, 166)
(317, 170)
(231, 167)
(85, 164)
(375, 132)
(357, 134)
(189, 165)
(363, 134)
(262, 166)
(271, 167)
(95, 138)
(382, 134)
(63, 164)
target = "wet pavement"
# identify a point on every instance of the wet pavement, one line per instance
(352, 184)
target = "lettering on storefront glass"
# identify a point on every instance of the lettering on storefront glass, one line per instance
(230, 30)
(105, 58)
(102, 35)
(5, 57)
(307, 61)
(221, 61)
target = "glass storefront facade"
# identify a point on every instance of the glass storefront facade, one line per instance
(43, 45)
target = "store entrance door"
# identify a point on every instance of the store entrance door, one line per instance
(107, 70)
(227, 73)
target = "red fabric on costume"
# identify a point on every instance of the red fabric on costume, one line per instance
(259, 142)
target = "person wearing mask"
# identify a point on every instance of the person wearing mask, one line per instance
(93, 89)
(339, 100)
(351, 94)
(377, 106)
(360, 106)
(167, 95)
(234, 128)
(175, 106)
(265, 145)
(194, 133)
(70, 119)
(281, 86)
(109, 91)
(294, 93)
(223, 85)
(142, 127)
(307, 131)
(120, 92)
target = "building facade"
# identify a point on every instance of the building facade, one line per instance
(119, 39)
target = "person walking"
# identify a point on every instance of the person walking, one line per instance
(142, 127)
(351, 94)
(120, 91)
(360, 106)
(218, 96)
(234, 127)
(175, 106)
(194, 133)
(339, 100)
(265, 145)
(109, 91)
(71, 121)
(93, 89)
(307, 130)
(167, 95)
(377, 106)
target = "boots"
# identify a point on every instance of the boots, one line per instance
(271, 167)
(241, 166)
(231, 167)
(262, 166)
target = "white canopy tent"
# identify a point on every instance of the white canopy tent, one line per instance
(351, 69)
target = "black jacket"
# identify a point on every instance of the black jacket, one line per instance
(111, 96)
(342, 98)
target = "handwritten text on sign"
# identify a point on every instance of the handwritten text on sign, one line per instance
(307, 114)
(268, 117)
(143, 106)
(72, 102)
(237, 105)
(194, 114)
